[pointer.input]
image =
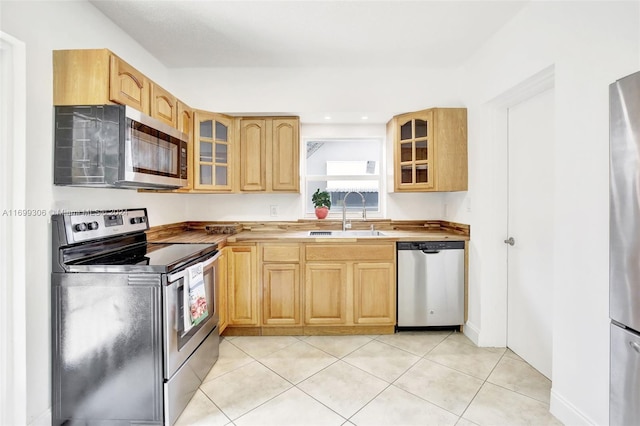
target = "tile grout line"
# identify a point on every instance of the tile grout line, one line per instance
(482, 385)
(368, 402)
(295, 385)
(213, 402)
(388, 384)
(257, 361)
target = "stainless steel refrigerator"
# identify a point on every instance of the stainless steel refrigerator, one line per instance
(624, 250)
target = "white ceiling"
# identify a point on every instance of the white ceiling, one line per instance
(298, 33)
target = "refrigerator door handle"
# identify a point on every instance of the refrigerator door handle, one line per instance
(635, 346)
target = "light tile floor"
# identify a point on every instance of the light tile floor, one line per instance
(408, 378)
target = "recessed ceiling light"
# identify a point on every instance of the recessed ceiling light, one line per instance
(326, 117)
(364, 117)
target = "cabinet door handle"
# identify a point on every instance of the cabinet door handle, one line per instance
(510, 241)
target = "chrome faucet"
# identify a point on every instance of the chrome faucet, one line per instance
(344, 209)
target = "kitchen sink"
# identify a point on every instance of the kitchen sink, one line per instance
(345, 234)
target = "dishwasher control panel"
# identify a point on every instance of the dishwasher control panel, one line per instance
(431, 245)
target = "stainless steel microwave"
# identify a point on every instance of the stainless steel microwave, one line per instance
(117, 146)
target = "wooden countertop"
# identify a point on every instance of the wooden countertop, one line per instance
(303, 236)
(200, 236)
(222, 233)
(193, 237)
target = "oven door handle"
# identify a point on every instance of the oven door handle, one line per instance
(181, 274)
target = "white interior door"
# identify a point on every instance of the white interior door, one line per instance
(530, 224)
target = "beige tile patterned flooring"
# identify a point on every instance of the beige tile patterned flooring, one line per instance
(408, 378)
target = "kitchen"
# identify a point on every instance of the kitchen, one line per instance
(589, 44)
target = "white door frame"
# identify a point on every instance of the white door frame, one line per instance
(497, 110)
(13, 353)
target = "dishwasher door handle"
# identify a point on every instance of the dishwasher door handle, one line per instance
(431, 251)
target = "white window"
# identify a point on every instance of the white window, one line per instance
(340, 166)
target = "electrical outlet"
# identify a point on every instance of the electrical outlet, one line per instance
(273, 210)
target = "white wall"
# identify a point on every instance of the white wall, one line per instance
(589, 45)
(48, 25)
(311, 93)
(250, 207)
(43, 27)
(314, 92)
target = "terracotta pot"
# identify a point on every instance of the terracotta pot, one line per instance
(321, 212)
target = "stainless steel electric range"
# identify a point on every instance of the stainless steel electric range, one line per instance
(122, 352)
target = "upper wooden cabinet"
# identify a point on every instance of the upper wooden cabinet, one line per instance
(213, 152)
(430, 150)
(186, 120)
(96, 77)
(127, 85)
(269, 154)
(164, 106)
(253, 154)
(284, 173)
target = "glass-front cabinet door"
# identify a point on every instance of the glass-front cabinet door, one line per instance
(414, 151)
(213, 152)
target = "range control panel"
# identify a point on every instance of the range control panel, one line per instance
(91, 225)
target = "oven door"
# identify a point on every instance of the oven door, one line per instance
(178, 344)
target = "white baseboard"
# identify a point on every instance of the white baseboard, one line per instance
(43, 419)
(566, 412)
(472, 332)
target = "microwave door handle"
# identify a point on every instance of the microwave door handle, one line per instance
(101, 144)
(128, 147)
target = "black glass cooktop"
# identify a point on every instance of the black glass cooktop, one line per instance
(159, 257)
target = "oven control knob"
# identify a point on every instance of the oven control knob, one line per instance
(93, 226)
(79, 227)
(132, 220)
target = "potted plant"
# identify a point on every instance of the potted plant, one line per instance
(322, 203)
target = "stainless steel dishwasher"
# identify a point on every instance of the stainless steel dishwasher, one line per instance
(430, 284)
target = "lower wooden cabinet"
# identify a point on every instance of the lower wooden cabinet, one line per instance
(281, 294)
(281, 290)
(325, 294)
(350, 284)
(242, 285)
(291, 287)
(221, 290)
(374, 293)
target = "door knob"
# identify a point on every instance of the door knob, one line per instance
(510, 241)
